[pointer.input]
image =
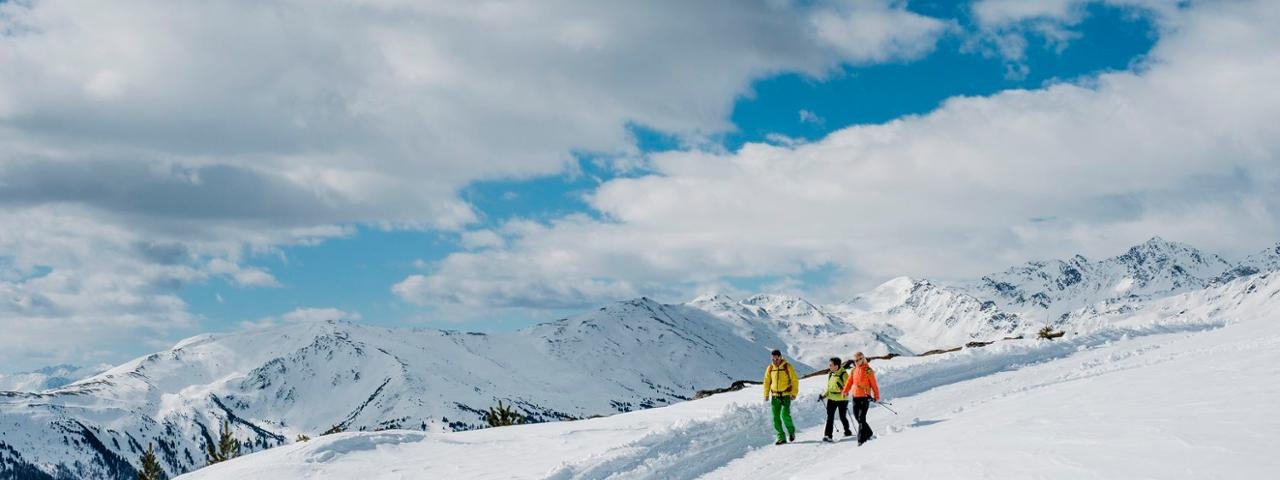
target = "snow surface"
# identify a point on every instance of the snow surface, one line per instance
(1182, 387)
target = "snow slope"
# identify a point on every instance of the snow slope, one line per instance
(1180, 388)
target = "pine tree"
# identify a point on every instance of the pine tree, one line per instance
(302, 437)
(503, 415)
(227, 448)
(337, 428)
(150, 469)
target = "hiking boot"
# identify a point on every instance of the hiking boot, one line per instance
(780, 442)
(827, 439)
(793, 437)
(848, 433)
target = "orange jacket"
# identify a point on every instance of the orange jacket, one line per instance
(862, 382)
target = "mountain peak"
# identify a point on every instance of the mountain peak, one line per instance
(1158, 243)
(898, 283)
(781, 304)
(712, 298)
(1158, 250)
(640, 302)
(763, 299)
(623, 308)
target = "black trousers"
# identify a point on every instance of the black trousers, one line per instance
(837, 405)
(860, 407)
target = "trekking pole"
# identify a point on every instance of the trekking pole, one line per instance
(886, 407)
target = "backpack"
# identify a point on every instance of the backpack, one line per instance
(783, 367)
(844, 377)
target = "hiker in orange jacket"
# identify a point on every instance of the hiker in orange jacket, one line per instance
(863, 384)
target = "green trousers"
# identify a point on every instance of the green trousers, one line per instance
(782, 415)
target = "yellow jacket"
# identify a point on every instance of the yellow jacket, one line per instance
(781, 380)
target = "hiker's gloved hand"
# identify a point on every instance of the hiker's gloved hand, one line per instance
(822, 396)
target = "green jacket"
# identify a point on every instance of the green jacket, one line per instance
(835, 382)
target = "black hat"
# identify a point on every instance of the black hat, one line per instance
(777, 353)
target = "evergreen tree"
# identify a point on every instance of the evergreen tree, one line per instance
(302, 437)
(338, 428)
(150, 469)
(227, 447)
(503, 415)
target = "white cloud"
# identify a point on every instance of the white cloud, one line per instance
(807, 116)
(1006, 27)
(241, 275)
(503, 280)
(300, 315)
(479, 239)
(867, 31)
(319, 315)
(1185, 147)
(84, 291)
(213, 130)
(1001, 13)
(75, 286)
(332, 111)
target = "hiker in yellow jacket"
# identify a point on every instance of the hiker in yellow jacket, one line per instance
(781, 386)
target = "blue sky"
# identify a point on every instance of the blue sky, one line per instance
(484, 165)
(354, 273)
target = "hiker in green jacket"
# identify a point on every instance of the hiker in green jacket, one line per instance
(836, 401)
(781, 386)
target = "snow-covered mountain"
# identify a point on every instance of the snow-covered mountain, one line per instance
(1208, 355)
(906, 315)
(1049, 291)
(48, 377)
(275, 384)
(920, 315)
(1267, 260)
(305, 378)
(808, 333)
